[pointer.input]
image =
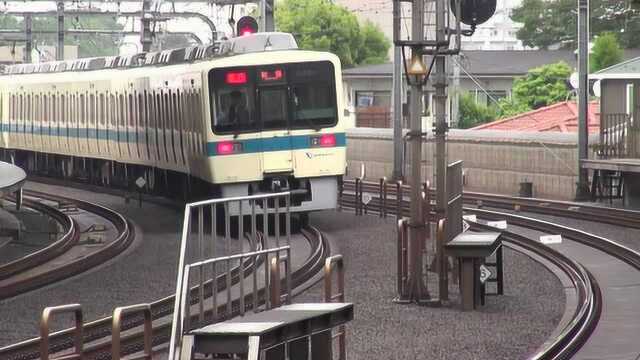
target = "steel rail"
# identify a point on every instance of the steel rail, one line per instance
(124, 238)
(585, 317)
(100, 330)
(69, 237)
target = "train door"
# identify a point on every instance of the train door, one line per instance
(82, 125)
(180, 128)
(92, 125)
(19, 142)
(103, 127)
(151, 128)
(72, 131)
(141, 134)
(63, 133)
(131, 128)
(277, 154)
(112, 127)
(28, 122)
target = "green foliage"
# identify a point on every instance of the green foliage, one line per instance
(472, 114)
(549, 22)
(543, 85)
(606, 52)
(508, 107)
(323, 26)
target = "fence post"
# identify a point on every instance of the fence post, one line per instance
(330, 264)
(77, 330)
(443, 279)
(117, 324)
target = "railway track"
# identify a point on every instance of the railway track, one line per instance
(382, 199)
(11, 284)
(97, 333)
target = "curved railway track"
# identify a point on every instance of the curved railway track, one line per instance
(97, 333)
(124, 237)
(585, 317)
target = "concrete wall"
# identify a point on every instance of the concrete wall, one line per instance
(494, 161)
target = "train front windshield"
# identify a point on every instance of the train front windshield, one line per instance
(274, 97)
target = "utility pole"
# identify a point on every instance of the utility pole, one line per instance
(145, 26)
(29, 38)
(417, 287)
(440, 135)
(583, 97)
(455, 99)
(60, 15)
(398, 158)
(269, 23)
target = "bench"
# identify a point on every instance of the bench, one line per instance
(471, 249)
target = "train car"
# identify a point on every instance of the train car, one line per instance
(246, 116)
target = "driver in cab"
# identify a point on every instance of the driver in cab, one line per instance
(237, 113)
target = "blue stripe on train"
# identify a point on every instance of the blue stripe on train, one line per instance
(281, 143)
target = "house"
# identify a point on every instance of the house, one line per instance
(559, 117)
(619, 87)
(487, 75)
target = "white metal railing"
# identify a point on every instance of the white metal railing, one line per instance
(256, 207)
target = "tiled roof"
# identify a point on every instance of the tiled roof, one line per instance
(492, 62)
(560, 117)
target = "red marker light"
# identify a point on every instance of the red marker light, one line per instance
(225, 148)
(271, 75)
(246, 31)
(236, 77)
(328, 140)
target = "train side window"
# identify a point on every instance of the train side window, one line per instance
(102, 117)
(81, 109)
(121, 111)
(112, 110)
(176, 111)
(151, 108)
(73, 109)
(142, 114)
(92, 109)
(130, 114)
(20, 108)
(36, 100)
(45, 108)
(63, 108)
(54, 108)
(29, 108)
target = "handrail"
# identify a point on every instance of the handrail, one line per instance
(331, 263)
(78, 333)
(117, 325)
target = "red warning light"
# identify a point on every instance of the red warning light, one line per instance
(236, 77)
(271, 75)
(246, 25)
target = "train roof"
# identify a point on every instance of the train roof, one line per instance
(259, 42)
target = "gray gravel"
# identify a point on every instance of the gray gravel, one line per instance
(508, 327)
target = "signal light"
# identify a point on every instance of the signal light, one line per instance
(236, 77)
(474, 12)
(246, 25)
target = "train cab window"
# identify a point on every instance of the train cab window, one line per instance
(232, 103)
(313, 95)
(273, 108)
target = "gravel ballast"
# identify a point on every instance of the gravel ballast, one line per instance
(511, 326)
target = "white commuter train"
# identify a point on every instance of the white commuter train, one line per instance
(250, 115)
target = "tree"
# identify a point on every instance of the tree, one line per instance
(508, 107)
(543, 85)
(473, 114)
(551, 22)
(606, 52)
(323, 26)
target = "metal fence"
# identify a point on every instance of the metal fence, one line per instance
(212, 243)
(619, 137)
